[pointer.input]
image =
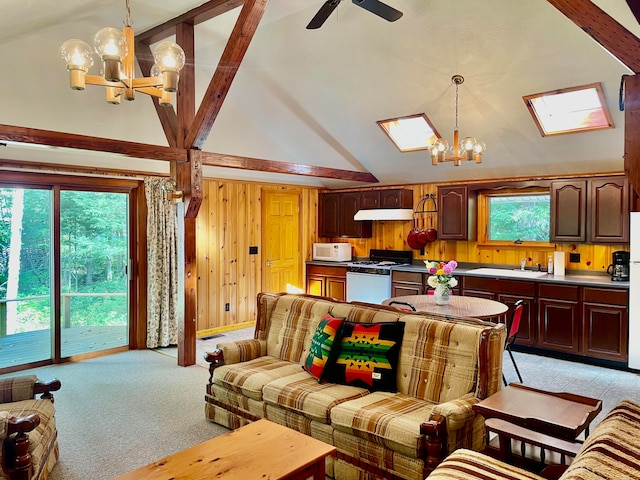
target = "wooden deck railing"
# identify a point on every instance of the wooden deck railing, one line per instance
(65, 307)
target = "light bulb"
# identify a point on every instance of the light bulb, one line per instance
(110, 42)
(468, 144)
(170, 59)
(79, 58)
(77, 54)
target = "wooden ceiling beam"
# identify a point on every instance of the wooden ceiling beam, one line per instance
(596, 23)
(197, 15)
(11, 133)
(247, 163)
(219, 86)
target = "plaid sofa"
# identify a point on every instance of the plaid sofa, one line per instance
(611, 452)
(20, 410)
(445, 365)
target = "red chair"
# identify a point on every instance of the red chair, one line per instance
(513, 327)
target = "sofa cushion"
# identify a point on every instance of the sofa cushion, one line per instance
(301, 393)
(612, 450)
(470, 465)
(439, 359)
(292, 322)
(389, 419)
(250, 377)
(324, 346)
(368, 355)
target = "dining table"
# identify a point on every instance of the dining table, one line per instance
(458, 306)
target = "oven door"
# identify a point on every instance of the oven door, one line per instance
(368, 287)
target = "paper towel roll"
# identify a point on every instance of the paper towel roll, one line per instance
(558, 263)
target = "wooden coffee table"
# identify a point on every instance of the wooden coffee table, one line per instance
(260, 450)
(549, 420)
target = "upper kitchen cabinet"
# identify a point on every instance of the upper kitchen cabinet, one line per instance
(594, 210)
(336, 216)
(610, 205)
(568, 211)
(456, 213)
(391, 198)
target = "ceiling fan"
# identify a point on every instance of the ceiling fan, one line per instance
(374, 6)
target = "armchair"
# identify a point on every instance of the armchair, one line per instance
(27, 423)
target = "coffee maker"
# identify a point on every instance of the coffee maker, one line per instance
(619, 268)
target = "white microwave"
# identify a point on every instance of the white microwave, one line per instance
(332, 252)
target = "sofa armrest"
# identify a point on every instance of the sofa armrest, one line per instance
(16, 459)
(229, 353)
(443, 424)
(16, 389)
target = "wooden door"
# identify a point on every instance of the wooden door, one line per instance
(281, 270)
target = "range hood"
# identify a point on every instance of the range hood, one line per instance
(384, 214)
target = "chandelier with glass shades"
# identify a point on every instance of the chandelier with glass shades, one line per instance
(116, 50)
(467, 149)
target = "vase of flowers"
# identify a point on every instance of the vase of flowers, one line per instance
(441, 279)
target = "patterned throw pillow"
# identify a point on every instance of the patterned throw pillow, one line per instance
(368, 355)
(323, 346)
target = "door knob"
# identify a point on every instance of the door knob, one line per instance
(268, 263)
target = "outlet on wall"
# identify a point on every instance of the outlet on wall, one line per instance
(574, 258)
(226, 307)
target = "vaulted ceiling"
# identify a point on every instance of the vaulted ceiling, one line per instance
(312, 97)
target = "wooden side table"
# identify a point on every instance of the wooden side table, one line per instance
(551, 421)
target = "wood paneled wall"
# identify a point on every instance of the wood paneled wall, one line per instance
(229, 223)
(393, 235)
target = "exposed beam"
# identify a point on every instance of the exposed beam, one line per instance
(232, 56)
(185, 37)
(51, 138)
(197, 15)
(631, 129)
(167, 115)
(247, 163)
(594, 21)
(12, 133)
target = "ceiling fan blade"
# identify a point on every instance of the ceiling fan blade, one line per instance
(381, 9)
(324, 12)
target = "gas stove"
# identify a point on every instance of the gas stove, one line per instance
(380, 262)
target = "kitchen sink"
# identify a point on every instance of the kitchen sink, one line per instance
(505, 272)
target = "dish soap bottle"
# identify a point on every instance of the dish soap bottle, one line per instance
(550, 264)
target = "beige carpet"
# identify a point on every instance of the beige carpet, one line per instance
(123, 411)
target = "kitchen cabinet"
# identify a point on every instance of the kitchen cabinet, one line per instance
(508, 292)
(456, 213)
(559, 318)
(609, 202)
(391, 198)
(327, 281)
(605, 323)
(336, 213)
(407, 283)
(594, 210)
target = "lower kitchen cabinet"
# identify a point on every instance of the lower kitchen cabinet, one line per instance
(605, 323)
(508, 292)
(407, 283)
(559, 318)
(327, 281)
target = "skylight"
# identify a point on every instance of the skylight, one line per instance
(570, 110)
(411, 132)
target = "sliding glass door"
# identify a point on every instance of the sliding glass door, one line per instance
(25, 276)
(94, 257)
(64, 268)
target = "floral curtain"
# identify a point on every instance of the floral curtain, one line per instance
(162, 259)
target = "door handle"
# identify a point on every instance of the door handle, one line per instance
(268, 263)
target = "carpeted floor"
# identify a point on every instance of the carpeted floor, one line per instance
(123, 411)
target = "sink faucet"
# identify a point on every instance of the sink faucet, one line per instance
(523, 262)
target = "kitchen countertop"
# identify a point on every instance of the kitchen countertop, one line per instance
(570, 278)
